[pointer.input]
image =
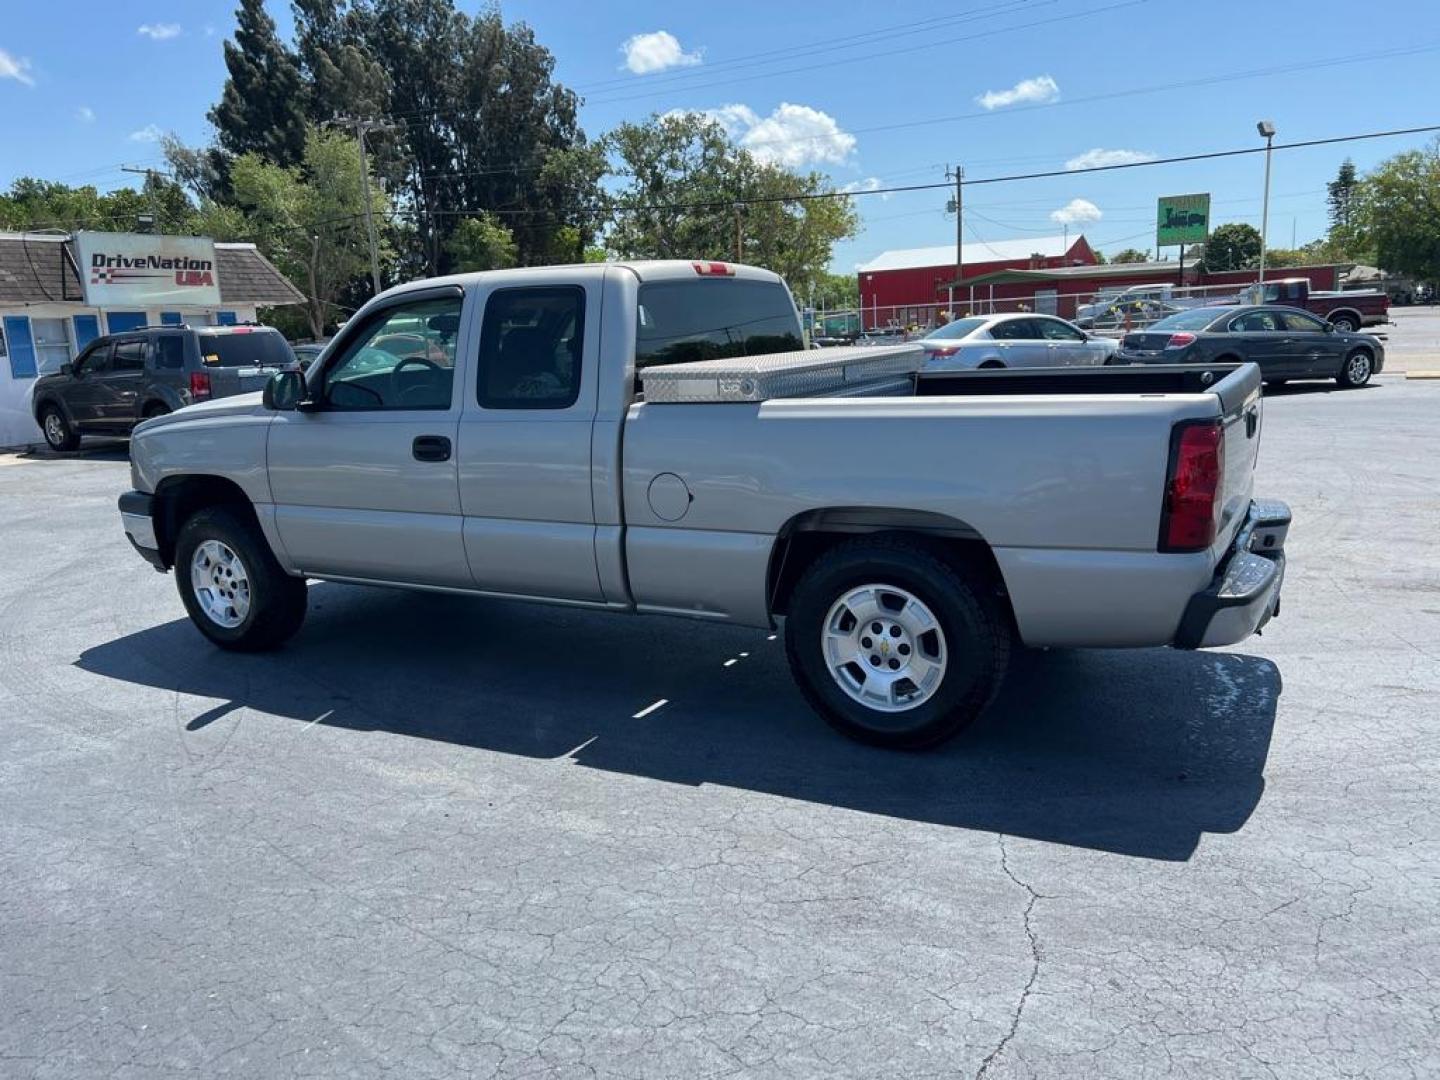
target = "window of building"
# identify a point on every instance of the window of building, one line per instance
(52, 343)
(121, 321)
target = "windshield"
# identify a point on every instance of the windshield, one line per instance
(958, 329)
(265, 348)
(681, 322)
(1196, 319)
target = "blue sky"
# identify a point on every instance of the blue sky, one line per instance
(874, 95)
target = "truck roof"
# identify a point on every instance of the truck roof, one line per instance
(643, 269)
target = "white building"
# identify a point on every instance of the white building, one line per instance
(58, 293)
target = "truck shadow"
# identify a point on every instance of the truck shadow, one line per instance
(1138, 752)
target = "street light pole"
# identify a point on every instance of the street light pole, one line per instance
(1267, 131)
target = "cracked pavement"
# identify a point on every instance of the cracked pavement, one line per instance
(433, 838)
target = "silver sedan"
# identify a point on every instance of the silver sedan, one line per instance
(1013, 341)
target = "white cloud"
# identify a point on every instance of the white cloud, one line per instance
(646, 54)
(85, 114)
(1076, 212)
(149, 133)
(15, 67)
(1097, 158)
(792, 135)
(159, 31)
(870, 183)
(1034, 91)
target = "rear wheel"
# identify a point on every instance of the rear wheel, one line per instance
(894, 646)
(1359, 366)
(155, 408)
(58, 432)
(235, 591)
(1346, 324)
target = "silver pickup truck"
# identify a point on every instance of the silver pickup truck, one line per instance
(651, 437)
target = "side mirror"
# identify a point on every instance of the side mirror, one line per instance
(284, 392)
(68, 370)
(1329, 328)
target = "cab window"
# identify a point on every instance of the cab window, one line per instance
(403, 359)
(531, 348)
(1300, 323)
(1055, 330)
(1255, 322)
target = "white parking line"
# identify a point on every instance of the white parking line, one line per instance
(770, 638)
(651, 708)
(729, 663)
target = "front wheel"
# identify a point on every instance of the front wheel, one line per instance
(894, 646)
(235, 591)
(59, 435)
(1359, 366)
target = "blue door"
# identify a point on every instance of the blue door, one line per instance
(225, 318)
(87, 329)
(120, 321)
(171, 318)
(22, 347)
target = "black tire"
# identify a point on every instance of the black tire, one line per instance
(276, 600)
(154, 409)
(59, 435)
(1345, 324)
(976, 641)
(1356, 371)
(991, 365)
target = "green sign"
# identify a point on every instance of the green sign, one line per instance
(1182, 219)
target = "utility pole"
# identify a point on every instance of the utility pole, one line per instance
(1266, 128)
(361, 127)
(154, 202)
(958, 175)
(739, 236)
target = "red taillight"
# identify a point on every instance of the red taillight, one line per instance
(1191, 513)
(943, 350)
(713, 269)
(200, 385)
(1180, 340)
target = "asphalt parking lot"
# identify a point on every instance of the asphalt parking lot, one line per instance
(435, 837)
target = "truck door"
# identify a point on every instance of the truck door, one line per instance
(365, 483)
(524, 441)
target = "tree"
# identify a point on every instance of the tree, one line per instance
(692, 193)
(309, 219)
(1235, 246)
(1131, 255)
(44, 204)
(1340, 195)
(1397, 213)
(837, 291)
(481, 243)
(261, 109)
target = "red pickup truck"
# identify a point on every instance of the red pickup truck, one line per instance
(1347, 311)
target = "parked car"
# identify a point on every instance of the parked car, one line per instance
(1001, 341)
(122, 379)
(1110, 306)
(308, 352)
(1348, 310)
(651, 437)
(1285, 342)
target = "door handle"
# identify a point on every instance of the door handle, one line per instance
(431, 448)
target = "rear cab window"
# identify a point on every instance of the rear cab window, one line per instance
(684, 322)
(245, 348)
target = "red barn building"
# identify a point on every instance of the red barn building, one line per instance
(906, 286)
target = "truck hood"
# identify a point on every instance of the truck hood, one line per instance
(239, 405)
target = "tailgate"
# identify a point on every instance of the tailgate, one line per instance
(1240, 402)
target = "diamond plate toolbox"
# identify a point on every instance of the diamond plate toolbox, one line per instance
(803, 373)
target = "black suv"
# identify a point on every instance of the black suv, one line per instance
(122, 379)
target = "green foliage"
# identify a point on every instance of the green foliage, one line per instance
(1397, 214)
(837, 291)
(481, 243)
(44, 204)
(261, 109)
(1235, 246)
(1131, 255)
(309, 219)
(691, 193)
